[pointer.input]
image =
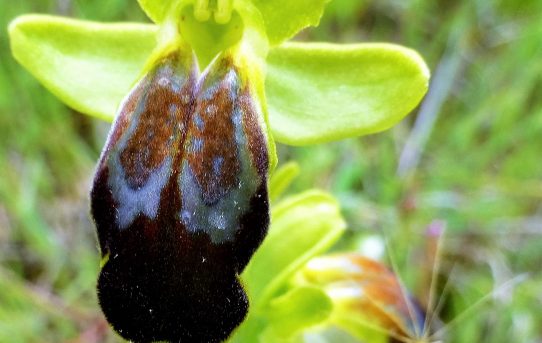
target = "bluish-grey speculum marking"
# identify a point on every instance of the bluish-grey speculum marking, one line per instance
(217, 217)
(142, 200)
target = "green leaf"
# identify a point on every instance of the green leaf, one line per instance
(281, 179)
(359, 326)
(320, 92)
(90, 66)
(298, 309)
(284, 18)
(303, 226)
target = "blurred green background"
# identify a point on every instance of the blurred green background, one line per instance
(468, 159)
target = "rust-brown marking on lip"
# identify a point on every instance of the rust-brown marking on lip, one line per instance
(155, 135)
(216, 164)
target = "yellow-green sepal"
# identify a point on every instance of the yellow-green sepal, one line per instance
(88, 65)
(320, 92)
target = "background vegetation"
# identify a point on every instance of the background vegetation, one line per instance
(469, 159)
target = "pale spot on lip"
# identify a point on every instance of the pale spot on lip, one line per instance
(211, 109)
(196, 145)
(218, 162)
(163, 81)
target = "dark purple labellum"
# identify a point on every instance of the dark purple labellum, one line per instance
(180, 203)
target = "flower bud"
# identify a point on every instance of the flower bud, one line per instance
(365, 291)
(180, 203)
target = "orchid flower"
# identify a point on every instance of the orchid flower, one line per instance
(180, 196)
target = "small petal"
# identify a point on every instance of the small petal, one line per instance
(284, 18)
